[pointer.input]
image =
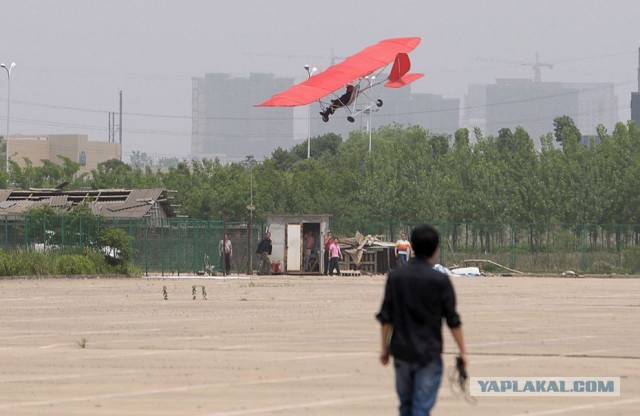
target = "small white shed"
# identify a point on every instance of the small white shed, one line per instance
(289, 235)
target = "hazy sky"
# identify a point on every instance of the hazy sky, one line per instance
(73, 56)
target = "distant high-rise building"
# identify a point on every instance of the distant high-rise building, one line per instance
(474, 113)
(635, 107)
(533, 105)
(430, 111)
(635, 98)
(226, 125)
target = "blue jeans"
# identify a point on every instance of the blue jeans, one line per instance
(403, 259)
(417, 386)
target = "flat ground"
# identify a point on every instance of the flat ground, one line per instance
(297, 345)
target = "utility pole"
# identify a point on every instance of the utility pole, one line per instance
(120, 126)
(6, 139)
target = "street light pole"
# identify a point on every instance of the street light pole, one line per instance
(250, 161)
(310, 72)
(6, 139)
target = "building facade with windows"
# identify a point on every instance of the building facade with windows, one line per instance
(509, 103)
(76, 147)
(225, 123)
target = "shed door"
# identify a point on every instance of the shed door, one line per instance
(294, 247)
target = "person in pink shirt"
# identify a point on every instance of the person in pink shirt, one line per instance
(335, 255)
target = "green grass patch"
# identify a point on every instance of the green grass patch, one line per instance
(74, 261)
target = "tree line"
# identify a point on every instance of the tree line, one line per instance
(410, 174)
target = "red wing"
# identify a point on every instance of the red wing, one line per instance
(337, 76)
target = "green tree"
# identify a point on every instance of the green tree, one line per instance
(566, 131)
(111, 174)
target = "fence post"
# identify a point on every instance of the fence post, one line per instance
(62, 230)
(144, 249)
(178, 258)
(171, 267)
(162, 223)
(548, 247)
(512, 247)
(584, 260)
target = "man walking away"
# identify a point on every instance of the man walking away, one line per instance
(225, 249)
(264, 250)
(416, 300)
(327, 243)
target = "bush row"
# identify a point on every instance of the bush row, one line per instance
(27, 262)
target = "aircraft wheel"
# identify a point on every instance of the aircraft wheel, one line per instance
(351, 119)
(325, 118)
(379, 103)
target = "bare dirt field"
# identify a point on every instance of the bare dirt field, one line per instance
(291, 345)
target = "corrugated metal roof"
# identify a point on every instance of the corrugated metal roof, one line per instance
(4, 194)
(145, 194)
(59, 200)
(123, 203)
(20, 207)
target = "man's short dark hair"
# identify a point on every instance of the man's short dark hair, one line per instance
(424, 241)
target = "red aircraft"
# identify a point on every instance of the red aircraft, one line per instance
(356, 75)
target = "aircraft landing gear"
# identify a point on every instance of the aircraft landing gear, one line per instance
(325, 118)
(351, 119)
(379, 103)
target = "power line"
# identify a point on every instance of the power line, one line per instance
(243, 119)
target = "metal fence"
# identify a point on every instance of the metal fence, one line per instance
(176, 245)
(167, 247)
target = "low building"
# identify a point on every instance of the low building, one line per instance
(288, 239)
(76, 147)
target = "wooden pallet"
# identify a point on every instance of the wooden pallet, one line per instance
(350, 272)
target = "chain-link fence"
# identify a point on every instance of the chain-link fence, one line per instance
(168, 247)
(177, 245)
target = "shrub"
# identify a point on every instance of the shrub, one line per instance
(117, 245)
(69, 264)
(631, 259)
(601, 267)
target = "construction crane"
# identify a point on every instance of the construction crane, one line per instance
(536, 66)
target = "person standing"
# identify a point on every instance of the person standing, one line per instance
(309, 243)
(335, 255)
(416, 300)
(264, 250)
(225, 249)
(327, 242)
(403, 249)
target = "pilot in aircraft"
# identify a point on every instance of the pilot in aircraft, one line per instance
(340, 102)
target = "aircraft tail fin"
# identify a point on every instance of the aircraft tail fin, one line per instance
(399, 76)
